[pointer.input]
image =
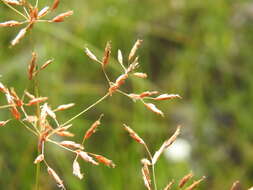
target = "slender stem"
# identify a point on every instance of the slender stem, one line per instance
(106, 76)
(6, 106)
(28, 128)
(14, 9)
(153, 166)
(85, 110)
(49, 140)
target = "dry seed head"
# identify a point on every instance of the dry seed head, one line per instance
(235, 186)
(43, 12)
(55, 4)
(134, 49)
(3, 123)
(168, 187)
(165, 145)
(64, 107)
(120, 57)
(19, 36)
(133, 134)
(148, 93)
(62, 16)
(86, 157)
(77, 170)
(104, 160)
(195, 184)
(93, 128)
(32, 65)
(10, 23)
(90, 55)
(185, 179)
(167, 97)
(146, 177)
(58, 180)
(141, 75)
(39, 159)
(154, 109)
(71, 144)
(48, 62)
(36, 101)
(107, 54)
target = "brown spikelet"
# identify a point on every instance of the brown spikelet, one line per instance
(3, 123)
(55, 4)
(134, 49)
(107, 54)
(36, 100)
(15, 113)
(43, 11)
(64, 107)
(62, 16)
(104, 160)
(119, 81)
(167, 97)
(93, 128)
(133, 134)
(146, 176)
(32, 65)
(71, 144)
(57, 179)
(19, 36)
(13, 2)
(195, 184)
(48, 62)
(235, 186)
(168, 187)
(185, 179)
(165, 145)
(65, 134)
(141, 75)
(10, 23)
(148, 93)
(154, 109)
(77, 170)
(90, 55)
(16, 98)
(39, 159)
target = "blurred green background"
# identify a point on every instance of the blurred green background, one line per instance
(199, 49)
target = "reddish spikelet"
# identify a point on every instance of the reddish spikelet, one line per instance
(77, 170)
(154, 109)
(119, 81)
(39, 159)
(195, 184)
(104, 160)
(33, 14)
(146, 176)
(167, 97)
(148, 93)
(62, 16)
(107, 54)
(71, 144)
(19, 36)
(168, 187)
(93, 128)
(65, 134)
(86, 157)
(10, 23)
(90, 55)
(36, 101)
(134, 49)
(133, 134)
(165, 145)
(185, 179)
(64, 107)
(43, 12)
(48, 62)
(57, 179)
(55, 4)
(32, 65)
(15, 113)
(3, 123)
(141, 75)
(17, 100)
(235, 186)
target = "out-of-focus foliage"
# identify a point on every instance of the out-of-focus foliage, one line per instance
(199, 49)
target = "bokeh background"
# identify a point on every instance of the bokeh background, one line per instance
(199, 49)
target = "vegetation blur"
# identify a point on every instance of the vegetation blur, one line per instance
(201, 50)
